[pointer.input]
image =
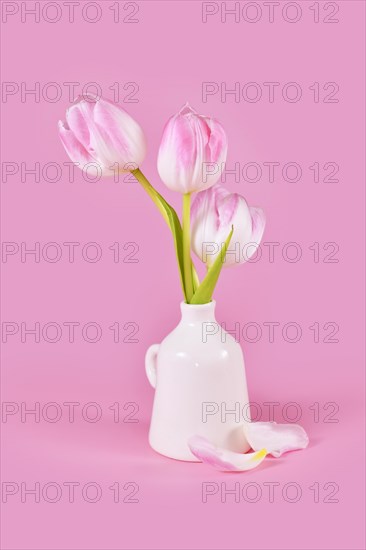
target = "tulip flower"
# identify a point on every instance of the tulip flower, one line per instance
(99, 131)
(214, 212)
(192, 150)
(191, 156)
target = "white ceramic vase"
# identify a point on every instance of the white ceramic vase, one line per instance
(199, 377)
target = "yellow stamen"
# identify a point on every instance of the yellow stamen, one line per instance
(260, 454)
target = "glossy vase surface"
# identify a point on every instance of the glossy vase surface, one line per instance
(200, 386)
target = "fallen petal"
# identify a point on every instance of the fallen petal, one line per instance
(276, 438)
(223, 460)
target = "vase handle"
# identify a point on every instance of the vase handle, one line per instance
(150, 364)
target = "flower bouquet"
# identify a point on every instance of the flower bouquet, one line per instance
(191, 158)
(197, 369)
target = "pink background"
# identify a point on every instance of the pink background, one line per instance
(169, 53)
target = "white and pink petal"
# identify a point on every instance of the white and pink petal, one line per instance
(75, 150)
(277, 438)
(222, 459)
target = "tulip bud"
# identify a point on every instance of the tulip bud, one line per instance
(101, 132)
(214, 212)
(192, 151)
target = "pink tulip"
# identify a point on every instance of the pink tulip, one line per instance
(213, 214)
(192, 150)
(98, 131)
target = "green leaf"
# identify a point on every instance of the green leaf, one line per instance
(204, 293)
(177, 232)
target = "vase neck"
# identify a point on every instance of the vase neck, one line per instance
(198, 313)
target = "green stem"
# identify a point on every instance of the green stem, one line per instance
(187, 262)
(171, 218)
(151, 192)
